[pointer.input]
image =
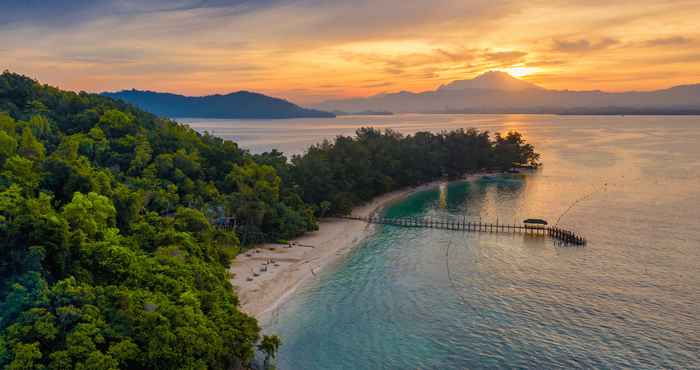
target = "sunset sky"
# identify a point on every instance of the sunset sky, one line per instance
(310, 50)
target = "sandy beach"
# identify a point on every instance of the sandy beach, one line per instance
(264, 277)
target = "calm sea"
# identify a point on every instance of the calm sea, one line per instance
(430, 299)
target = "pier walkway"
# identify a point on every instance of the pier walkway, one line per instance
(565, 237)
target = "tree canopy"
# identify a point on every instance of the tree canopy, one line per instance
(335, 176)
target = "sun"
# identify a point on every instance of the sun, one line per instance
(520, 71)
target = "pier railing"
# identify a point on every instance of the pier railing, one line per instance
(566, 237)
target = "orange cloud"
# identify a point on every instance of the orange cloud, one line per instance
(308, 51)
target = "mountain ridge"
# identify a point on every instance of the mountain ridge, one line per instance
(239, 104)
(498, 92)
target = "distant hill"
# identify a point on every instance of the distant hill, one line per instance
(242, 104)
(498, 92)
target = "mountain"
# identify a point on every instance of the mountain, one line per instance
(497, 92)
(493, 80)
(242, 104)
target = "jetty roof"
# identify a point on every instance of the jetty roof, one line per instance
(535, 221)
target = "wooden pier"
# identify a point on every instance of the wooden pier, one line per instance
(565, 237)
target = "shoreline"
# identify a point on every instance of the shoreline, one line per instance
(282, 269)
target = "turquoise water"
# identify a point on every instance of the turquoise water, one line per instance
(431, 299)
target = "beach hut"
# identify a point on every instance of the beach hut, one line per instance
(535, 225)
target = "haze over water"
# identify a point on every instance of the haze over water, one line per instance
(630, 298)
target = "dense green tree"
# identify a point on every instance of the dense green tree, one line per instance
(39, 126)
(30, 147)
(8, 146)
(336, 176)
(511, 150)
(8, 124)
(26, 357)
(23, 172)
(105, 264)
(92, 214)
(255, 181)
(116, 124)
(269, 345)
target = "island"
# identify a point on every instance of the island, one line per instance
(242, 104)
